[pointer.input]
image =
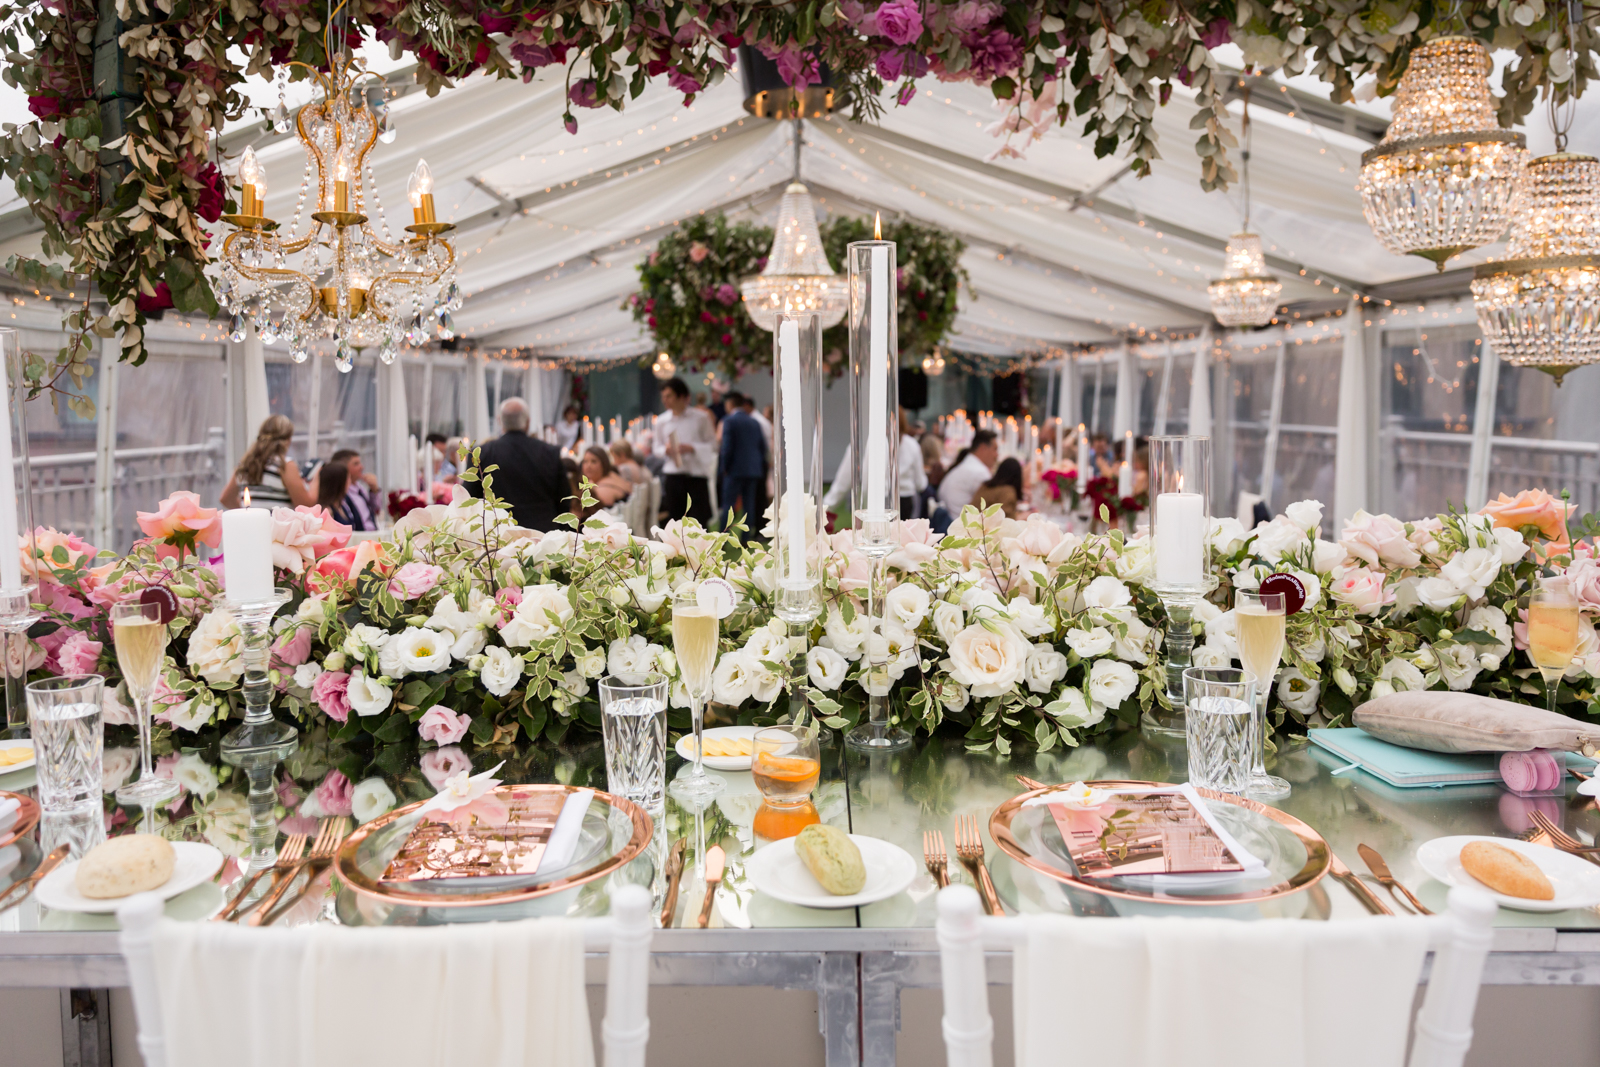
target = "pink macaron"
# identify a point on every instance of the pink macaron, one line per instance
(1551, 769)
(1519, 771)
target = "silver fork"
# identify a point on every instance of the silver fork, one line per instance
(969, 850)
(933, 855)
(288, 858)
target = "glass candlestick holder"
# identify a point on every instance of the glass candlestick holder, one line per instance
(17, 613)
(260, 735)
(1180, 532)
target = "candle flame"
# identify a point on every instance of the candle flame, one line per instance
(247, 497)
(877, 226)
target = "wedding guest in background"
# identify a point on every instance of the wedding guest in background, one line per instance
(333, 478)
(623, 459)
(742, 463)
(1005, 488)
(569, 429)
(609, 486)
(763, 419)
(913, 479)
(933, 459)
(438, 452)
(973, 466)
(266, 470)
(359, 504)
(685, 438)
(530, 478)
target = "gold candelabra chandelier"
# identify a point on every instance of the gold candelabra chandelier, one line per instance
(347, 278)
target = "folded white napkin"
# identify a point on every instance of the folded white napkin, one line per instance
(1145, 992)
(8, 812)
(485, 994)
(564, 838)
(1252, 865)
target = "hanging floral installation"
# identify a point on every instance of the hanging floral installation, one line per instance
(689, 290)
(123, 175)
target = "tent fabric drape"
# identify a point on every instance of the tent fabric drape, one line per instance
(1200, 388)
(257, 405)
(1350, 461)
(1125, 415)
(394, 433)
(476, 417)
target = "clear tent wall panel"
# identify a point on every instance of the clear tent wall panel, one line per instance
(1429, 388)
(1308, 431)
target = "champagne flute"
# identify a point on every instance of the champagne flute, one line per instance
(1259, 623)
(694, 643)
(141, 640)
(1552, 631)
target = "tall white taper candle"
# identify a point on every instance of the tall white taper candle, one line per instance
(794, 486)
(878, 385)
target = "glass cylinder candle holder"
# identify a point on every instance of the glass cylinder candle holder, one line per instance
(797, 463)
(17, 590)
(874, 397)
(1180, 534)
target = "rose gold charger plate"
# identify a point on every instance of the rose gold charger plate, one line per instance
(363, 872)
(27, 817)
(1318, 856)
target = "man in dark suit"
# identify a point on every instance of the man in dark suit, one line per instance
(530, 479)
(742, 463)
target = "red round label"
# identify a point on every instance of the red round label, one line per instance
(166, 604)
(1294, 592)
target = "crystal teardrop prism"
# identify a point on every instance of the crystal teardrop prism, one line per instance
(236, 327)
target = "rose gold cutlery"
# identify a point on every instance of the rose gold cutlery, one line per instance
(1380, 871)
(1337, 868)
(1564, 841)
(294, 847)
(674, 871)
(714, 863)
(969, 850)
(329, 834)
(933, 855)
(18, 892)
(1030, 783)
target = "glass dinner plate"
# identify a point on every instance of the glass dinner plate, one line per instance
(1295, 855)
(615, 830)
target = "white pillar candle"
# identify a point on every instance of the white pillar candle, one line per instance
(878, 385)
(794, 486)
(247, 553)
(1180, 527)
(10, 551)
(1083, 458)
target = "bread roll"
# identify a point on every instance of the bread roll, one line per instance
(1506, 871)
(125, 865)
(832, 858)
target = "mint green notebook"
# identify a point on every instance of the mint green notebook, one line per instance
(1412, 767)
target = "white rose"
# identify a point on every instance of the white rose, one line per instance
(948, 620)
(1459, 666)
(1090, 643)
(1223, 633)
(1106, 592)
(368, 696)
(500, 670)
(190, 714)
(647, 593)
(305, 675)
(826, 668)
(1471, 571)
(194, 774)
(1438, 593)
(1275, 539)
(908, 604)
(216, 648)
(766, 645)
(421, 650)
(1133, 645)
(1111, 682)
(1510, 543)
(954, 697)
(632, 657)
(1227, 535)
(1209, 656)
(989, 664)
(1306, 514)
(575, 683)
(1326, 555)
(1399, 674)
(1137, 561)
(847, 637)
(116, 765)
(733, 680)
(1028, 617)
(591, 661)
(1486, 618)
(371, 798)
(979, 600)
(1073, 711)
(1045, 667)
(1297, 692)
(767, 684)
(313, 609)
(543, 613)
(1489, 661)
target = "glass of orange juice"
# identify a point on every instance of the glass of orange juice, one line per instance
(1552, 631)
(786, 764)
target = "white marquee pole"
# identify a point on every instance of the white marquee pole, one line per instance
(1350, 460)
(1269, 449)
(427, 395)
(1483, 430)
(315, 415)
(105, 448)
(1200, 387)
(1166, 390)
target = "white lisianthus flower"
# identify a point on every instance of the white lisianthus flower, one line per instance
(649, 593)
(1072, 710)
(591, 662)
(1458, 666)
(1486, 618)
(948, 620)
(313, 609)
(1472, 571)
(1344, 680)
(1028, 617)
(1297, 692)
(988, 663)
(368, 696)
(500, 671)
(1313, 587)
(1223, 633)
(847, 637)
(980, 601)
(954, 697)
(826, 668)
(1438, 593)
(767, 684)
(334, 661)
(421, 650)
(908, 604)
(195, 775)
(1400, 674)
(632, 657)
(1045, 667)
(305, 675)
(543, 613)
(1134, 645)
(1111, 682)
(116, 765)
(1313, 649)
(1106, 592)
(1326, 555)
(575, 683)
(190, 714)
(734, 679)
(680, 694)
(1137, 561)
(363, 640)
(1306, 514)
(389, 663)
(901, 648)
(667, 663)
(1209, 656)
(765, 645)
(370, 798)
(216, 648)
(1227, 535)
(1276, 538)
(1090, 643)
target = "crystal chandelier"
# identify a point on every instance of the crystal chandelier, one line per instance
(1245, 295)
(933, 363)
(663, 368)
(344, 279)
(1445, 177)
(798, 275)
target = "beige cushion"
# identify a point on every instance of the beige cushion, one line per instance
(1467, 722)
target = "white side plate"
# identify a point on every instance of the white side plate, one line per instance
(24, 765)
(193, 863)
(685, 748)
(778, 872)
(1576, 880)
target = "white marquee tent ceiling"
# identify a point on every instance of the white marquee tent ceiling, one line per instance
(1063, 248)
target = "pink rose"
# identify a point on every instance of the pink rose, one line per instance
(333, 794)
(691, 543)
(442, 764)
(973, 15)
(1039, 536)
(78, 655)
(900, 21)
(698, 252)
(614, 536)
(508, 599)
(180, 520)
(414, 580)
(113, 712)
(1584, 574)
(441, 725)
(330, 691)
(304, 535)
(1531, 507)
(60, 601)
(1362, 589)
(1380, 540)
(45, 564)
(917, 531)
(294, 647)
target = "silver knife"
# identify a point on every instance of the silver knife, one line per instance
(1380, 870)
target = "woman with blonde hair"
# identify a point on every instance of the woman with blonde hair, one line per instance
(267, 471)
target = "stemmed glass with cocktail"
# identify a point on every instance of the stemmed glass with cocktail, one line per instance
(140, 637)
(1552, 631)
(1260, 620)
(694, 643)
